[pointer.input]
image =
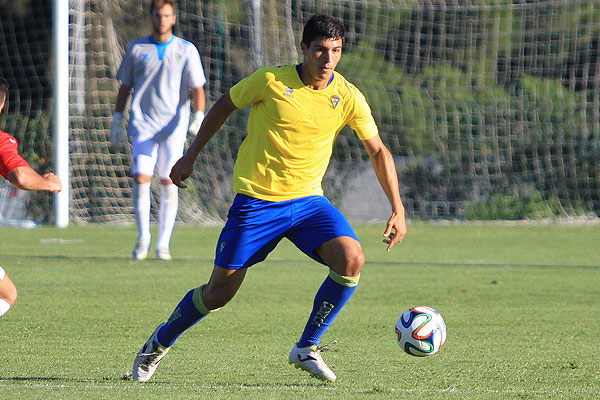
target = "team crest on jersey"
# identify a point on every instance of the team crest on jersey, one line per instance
(335, 100)
(289, 92)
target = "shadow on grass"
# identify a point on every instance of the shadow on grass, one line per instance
(47, 379)
(31, 379)
(54, 379)
(113, 383)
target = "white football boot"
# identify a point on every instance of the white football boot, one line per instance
(140, 251)
(163, 254)
(309, 359)
(148, 358)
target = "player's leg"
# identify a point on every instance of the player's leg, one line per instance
(169, 152)
(195, 305)
(8, 292)
(144, 153)
(141, 206)
(253, 229)
(326, 236)
(199, 302)
(345, 259)
(250, 234)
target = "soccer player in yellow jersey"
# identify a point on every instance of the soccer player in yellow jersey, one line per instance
(297, 112)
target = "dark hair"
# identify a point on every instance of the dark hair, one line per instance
(155, 4)
(3, 89)
(322, 26)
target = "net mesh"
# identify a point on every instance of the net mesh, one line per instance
(27, 114)
(483, 102)
(13, 203)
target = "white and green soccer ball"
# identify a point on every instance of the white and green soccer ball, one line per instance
(421, 331)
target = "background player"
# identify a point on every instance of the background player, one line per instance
(162, 69)
(297, 112)
(18, 172)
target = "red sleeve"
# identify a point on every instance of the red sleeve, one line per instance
(9, 154)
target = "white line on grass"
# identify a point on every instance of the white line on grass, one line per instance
(61, 241)
(300, 388)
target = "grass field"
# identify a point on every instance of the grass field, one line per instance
(521, 303)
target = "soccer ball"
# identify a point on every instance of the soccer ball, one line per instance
(421, 331)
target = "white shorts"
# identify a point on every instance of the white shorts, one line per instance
(2, 273)
(148, 153)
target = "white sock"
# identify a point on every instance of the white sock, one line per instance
(4, 307)
(141, 205)
(169, 197)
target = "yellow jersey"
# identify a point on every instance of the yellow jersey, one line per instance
(291, 130)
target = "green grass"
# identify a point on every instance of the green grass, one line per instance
(521, 304)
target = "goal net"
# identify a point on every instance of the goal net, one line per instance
(25, 42)
(13, 204)
(484, 104)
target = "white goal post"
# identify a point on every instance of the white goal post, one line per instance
(61, 109)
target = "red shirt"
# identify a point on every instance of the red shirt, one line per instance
(9, 154)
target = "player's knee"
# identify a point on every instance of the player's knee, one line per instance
(12, 297)
(352, 262)
(356, 262)
(9, 293)
(141, 179)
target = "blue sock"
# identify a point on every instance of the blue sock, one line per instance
(185, 315)
(330, 299)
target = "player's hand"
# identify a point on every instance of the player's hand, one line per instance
(53, 179)
(395, 230)
(181, 171)
(116, 130)
(195, 122)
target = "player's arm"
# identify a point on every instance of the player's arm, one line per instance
(385, 169)
(26, 178)
(198, 105)
(215, 118)
(122, 96)
(116, 129)
(198, 100)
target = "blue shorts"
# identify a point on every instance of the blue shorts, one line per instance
(254, 227)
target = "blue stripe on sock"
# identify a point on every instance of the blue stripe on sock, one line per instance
(329, 301)
(183, 317)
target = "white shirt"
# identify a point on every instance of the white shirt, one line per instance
(161, 75)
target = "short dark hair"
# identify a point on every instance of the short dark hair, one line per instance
(3, 89)
(155, 4)
(322, 26)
